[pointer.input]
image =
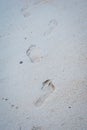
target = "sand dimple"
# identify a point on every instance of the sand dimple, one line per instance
(47, 88)
(34, 53)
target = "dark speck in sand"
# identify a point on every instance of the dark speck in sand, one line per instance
(12, 105)
(21, 62)
(16, 107)
(6, 99)
(69, 107)
(25, 38)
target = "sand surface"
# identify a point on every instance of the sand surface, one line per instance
(43, 65)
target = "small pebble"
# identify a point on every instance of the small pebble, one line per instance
(21, 62)
(16, 107)
(6, 99)
(69, 107)
(12, 105)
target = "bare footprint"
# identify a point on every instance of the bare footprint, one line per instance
(25, 10)
(28, 5)
(34, 53)
(36, 128)
(51, 26)
(47, 89)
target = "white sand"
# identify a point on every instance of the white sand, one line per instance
(58, 31)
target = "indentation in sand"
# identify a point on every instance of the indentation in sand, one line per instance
(47, 88)
(34, 53)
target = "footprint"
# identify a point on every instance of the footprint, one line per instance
(51, 26)
(34, 53)
(36, 128)
(47, 89)
(25, 5)
(25, 10)
(40, 100)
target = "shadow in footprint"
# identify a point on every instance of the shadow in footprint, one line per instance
(47, 89)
